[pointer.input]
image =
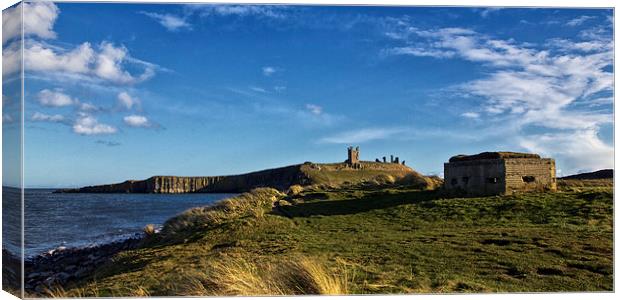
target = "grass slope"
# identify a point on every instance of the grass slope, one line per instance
(381, 240)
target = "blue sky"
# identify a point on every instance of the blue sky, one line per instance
(127, 91)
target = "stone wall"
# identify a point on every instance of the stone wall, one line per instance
(500, 176)
(480, 177)
(527, 174)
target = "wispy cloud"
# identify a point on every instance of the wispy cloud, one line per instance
(7, 118)
(127, 102)
(488, 11)
(41, 117)
(268, 71)
(104, 63)
(418, 51)
(170, 22)
(86, 124)
(579, 20)
(39, 19)
(530, 86)
(471, 115)
(88, 107)
(584, 148)
(315, 109)
(55, 98)
(262, 11)
(107, 143)
(137, 121)
(258, 89)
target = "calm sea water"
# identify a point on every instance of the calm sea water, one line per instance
(82, 220)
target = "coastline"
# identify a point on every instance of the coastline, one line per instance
(62, 265)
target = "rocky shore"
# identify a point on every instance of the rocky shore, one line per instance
(61, 266)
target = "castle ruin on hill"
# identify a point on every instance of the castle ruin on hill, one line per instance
(499, 173)
(353, 158)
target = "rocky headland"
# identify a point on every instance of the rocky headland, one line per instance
(279, 178)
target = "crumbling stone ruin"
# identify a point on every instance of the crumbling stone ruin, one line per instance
(393, 160)
(499, 173)
(353, 157)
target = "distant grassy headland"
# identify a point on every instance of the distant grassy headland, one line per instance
(377, 236)
(280, 178)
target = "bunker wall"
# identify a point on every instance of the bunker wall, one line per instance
(526, 174)
(480, 177)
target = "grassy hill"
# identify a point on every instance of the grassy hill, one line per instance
(332, 174)
(371, 239)
(373, 173)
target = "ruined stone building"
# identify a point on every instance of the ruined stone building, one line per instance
(353, 156)
(498, 173)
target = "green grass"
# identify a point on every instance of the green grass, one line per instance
(335, 175)
(390, 240)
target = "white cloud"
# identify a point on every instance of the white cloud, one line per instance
(88, 107)
(418, 51)
(88, 125)
(580, 151)
(11, 60)
(7, 119)
(579, 20)
(137, 121)
(206, 10)
(361, 135)
(315, 109)
(487, 11)
(279, 88)
(586, 46)
(471, 115)
(128, 102)
(268, 71)
(170, 22)
(107, 143)
(11, 23)
(551, 87)
(258, 89)
(39, 19)
(55, 98)
(107, 62)
(41, 117)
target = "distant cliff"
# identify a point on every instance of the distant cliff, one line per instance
(279, 178)
(600, 174)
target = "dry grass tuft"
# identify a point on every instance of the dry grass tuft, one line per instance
(295, 190)
(251, 204)
(240, 277)
(149, 230)
(385, 179)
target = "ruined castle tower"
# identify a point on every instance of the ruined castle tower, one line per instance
(353, 156)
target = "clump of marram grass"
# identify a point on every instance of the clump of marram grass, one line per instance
(420, 181)
(149, 230)
(240, 277)
(295, 190)
(385, 179)
(90, 290)
(251, 204)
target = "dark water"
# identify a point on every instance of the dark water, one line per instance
(82, 220)
(11, 220)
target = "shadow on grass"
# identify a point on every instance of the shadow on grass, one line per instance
(370, 201)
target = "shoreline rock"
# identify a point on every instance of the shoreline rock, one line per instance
(62, 265)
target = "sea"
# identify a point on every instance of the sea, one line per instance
(77, 220)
